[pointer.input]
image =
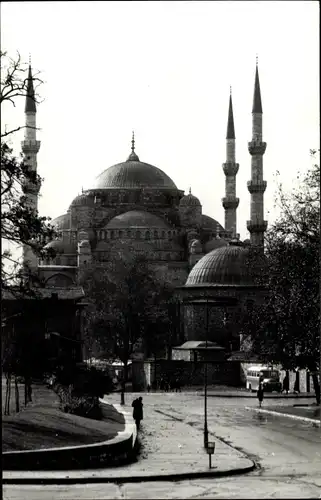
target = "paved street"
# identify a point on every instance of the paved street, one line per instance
(287, 452)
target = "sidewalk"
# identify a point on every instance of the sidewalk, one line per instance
(310, 414)
(169, 450)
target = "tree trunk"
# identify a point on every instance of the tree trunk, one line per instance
(8, 394)
(17, 395)
(26, 392)
(123, 383)
(316, 386)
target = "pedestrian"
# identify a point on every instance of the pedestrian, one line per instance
(296, 388)
(286, 383)
(148, 387)
(177, 385)
(137, 404)
(260, 394)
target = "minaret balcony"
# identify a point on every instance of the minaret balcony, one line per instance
(256, 186)
(230, 202)
(30, 146)
(256, 226)
(257, 147)
(230, 168)
(31, 187)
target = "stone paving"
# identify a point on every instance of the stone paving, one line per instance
(169, 446)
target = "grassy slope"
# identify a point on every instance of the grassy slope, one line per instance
(43, 425)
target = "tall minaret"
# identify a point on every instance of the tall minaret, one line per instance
(30, 147)
(230, 168)
(256, 186)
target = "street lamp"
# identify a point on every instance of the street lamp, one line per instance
(205, 382)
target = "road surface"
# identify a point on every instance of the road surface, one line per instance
(287, 453)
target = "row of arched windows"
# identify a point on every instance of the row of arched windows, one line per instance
(153, 256)
(136, 234)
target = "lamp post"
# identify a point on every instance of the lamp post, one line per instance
(205, 381)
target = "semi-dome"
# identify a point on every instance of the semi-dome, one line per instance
(190, 200)
(211, 224)
(61, 247)
(224, 266)
(136, 218)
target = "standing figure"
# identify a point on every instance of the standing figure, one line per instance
(137, 404)
(286, 383)
(296, 388)
(260, 394)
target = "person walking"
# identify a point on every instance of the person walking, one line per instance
(137, 404)
(286, 383)
(260, 394)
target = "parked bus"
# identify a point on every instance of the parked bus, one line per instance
(270, 378)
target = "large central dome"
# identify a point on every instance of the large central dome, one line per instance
(133, 174)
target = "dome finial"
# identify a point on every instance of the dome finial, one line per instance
(133, 156)
(190, 191)
(29, 59)
(257, 60)
(230, 89)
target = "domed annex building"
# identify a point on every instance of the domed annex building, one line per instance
(134, 206)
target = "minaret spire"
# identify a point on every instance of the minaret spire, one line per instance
(257, 186)
(30, 105)
(257, 102)
(230, 201)
(30, 147)
(230, 122)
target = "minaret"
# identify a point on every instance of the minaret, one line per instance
(230, 168)
(256, 186)
(30, 147)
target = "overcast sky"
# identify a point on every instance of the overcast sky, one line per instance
(164, 70)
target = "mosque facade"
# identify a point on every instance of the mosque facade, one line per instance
(136, 207)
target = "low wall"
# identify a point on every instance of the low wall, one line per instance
(189, 373)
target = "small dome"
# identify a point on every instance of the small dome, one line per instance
(81, 199)
(196, 246)
(136, 218)
(84, 243)
(61, 222)
(224, 266)
(190, 200)
(247, 242)
(215, 243)
(61, 247)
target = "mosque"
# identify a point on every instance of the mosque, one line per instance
(134, 206)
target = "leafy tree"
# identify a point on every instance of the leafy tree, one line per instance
(128, 302)
(287, 329)
(20, 225)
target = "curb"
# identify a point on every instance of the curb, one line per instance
(133, 479)
(249, 396)
(119, 448)
(279, 414)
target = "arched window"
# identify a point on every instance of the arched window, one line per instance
(169, 234)
(163, 234)
(112, 235)
(129, 233)
(120, 234)
(155, 234)
(58, 261)
(138, 234)
(147, 235)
